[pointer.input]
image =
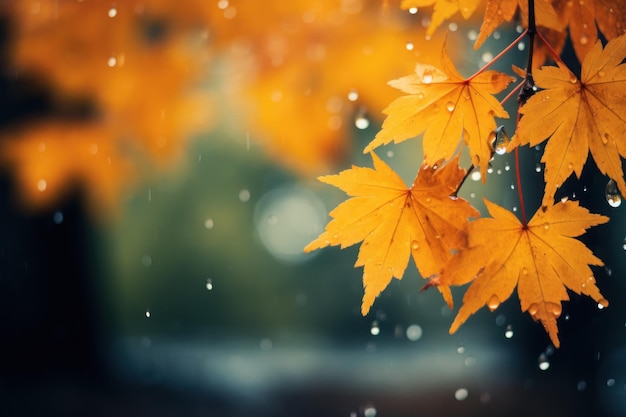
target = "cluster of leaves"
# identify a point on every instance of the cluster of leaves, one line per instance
(576, 115)
(127, 83)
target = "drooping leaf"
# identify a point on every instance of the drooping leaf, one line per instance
(579, 116)
(541, 259)
(395, 222)
(443, 9)
(448, 109)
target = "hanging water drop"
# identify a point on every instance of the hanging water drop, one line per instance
(413, 10)
(493, 302)
(353, 95)
(499, 140)
(112, 12)
(613, 196)
(603, 303)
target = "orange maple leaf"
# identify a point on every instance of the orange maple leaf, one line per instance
(448, 109)
(394, 221)
(498, 11)
(542, 259)
(443, 9)
(579, 116)
(581, 17)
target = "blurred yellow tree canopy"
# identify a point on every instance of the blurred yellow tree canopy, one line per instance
(131, 81)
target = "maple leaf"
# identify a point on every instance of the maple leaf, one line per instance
(447, 108)
(498, 11)
(541, 259)
(394, 222)
(579, 116)
(584, 17)
(443, 9)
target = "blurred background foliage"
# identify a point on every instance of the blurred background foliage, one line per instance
(159, 162)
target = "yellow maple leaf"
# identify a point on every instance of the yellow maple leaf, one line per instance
(541, 259)
(579, 116)
(448, 109)
(498, 11)
(584, 18)
(394, 222)
(443, 9)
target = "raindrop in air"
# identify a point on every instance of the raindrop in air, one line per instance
(375, 330)
(244, 195)
(112, 12)
(521, 46)
(361, 121)
(369, 411)
(409, 46)
(353, 95)
(209, 284)
(42, 185)
(209, 224)
(499, 140)
(461, 394)
(582, 385)
(146, 261)
(57, 217)
(544, 364)
(476, 175)
(508, 333)
(148, 314)
(613, 197)
(460, 349)
(414, 332)
(624, 244)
